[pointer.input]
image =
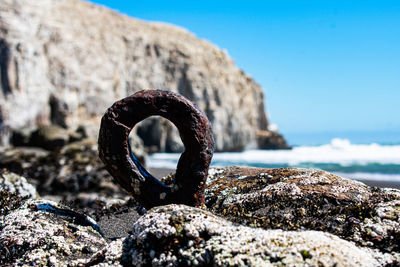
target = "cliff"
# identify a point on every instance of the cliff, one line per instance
(64, 62)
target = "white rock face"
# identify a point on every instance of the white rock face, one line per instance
(66, 61)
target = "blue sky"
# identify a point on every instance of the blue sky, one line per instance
(325, 66)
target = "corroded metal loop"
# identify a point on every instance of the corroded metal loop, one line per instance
(196, 135)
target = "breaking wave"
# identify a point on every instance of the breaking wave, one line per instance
(366, 162)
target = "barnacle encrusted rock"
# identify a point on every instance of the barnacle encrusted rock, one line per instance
(41, 232)
(110, 255)
(15, 184)
(292, 199)
(14, 190)
(360, 225)
(177, 235)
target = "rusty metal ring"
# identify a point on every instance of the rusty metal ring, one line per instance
(194, 129)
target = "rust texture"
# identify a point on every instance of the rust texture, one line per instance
(195, 131)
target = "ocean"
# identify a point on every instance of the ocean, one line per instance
(366, 162)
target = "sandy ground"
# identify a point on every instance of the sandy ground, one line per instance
(382, 184)
(118, 225)
(160, 172)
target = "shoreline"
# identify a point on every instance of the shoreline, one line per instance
(161, 172)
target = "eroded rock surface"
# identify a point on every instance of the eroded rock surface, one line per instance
(41, 232)
(177, 235)
(65, 61)
(295, 199)
(256, 217)
(17, 185)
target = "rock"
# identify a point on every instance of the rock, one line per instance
(67, 74)
(49, 137)
(288, 216)
(22, 159)
(138, 148)
(176, 235)
(22, 136)
(73, 173)
(156, 139)
(271, 140)
(15, 184)
(14, 189)
(42, 232)
(296, 199)
(110, 255)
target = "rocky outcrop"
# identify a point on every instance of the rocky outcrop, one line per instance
(73, 173)
(65, 61)
(41, 232)
(287, 216)
(271, 140)
(49, 137)
(294, 217)
(178, 235)
(296, 199)
(17, 185)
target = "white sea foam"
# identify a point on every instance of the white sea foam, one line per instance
(339, 151)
